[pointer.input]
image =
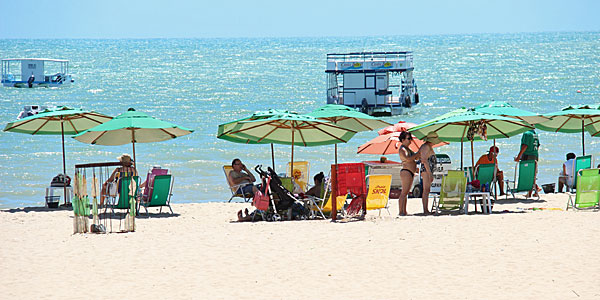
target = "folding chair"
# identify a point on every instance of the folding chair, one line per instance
(486, 174)
(129, 189)
(452, 194)
(235, 187)
(301, 173)
(526, 171)
(162, 188)
(147, 192)
(378, 195)
(581, 162)
(587, 195)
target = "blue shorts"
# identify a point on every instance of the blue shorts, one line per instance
(245, 190)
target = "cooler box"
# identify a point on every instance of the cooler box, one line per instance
(389, 167)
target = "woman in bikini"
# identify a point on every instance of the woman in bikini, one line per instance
(428, 164)
(409, 168)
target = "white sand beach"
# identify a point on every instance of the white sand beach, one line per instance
(202, 253)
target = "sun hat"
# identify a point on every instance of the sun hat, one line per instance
(125, 158)
(432, 137)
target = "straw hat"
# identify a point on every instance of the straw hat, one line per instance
(125, 158)
(432, 137)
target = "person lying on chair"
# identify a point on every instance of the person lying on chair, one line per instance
(241, 175)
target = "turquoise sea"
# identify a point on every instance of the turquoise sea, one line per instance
(200, 83)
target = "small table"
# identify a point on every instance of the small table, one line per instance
(487, 202)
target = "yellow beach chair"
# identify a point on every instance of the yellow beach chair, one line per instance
(234, 187)
(301, 174)
(378, 194)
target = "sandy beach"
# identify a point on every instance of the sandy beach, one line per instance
(202, 253)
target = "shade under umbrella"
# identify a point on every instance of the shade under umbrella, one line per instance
(573, 119)
(469, 125)
(132, 127)
(59, 121)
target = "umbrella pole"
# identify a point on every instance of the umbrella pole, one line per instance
(62, 133)
(273, 156)
(334, 188)
(133, 143)
(292, 163)
(472, 157)
(582, 138)
(461, 154)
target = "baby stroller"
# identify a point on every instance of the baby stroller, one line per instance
(272, 186)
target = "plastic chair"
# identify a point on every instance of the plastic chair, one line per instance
(129, 191)
(162, 188)
(526, 174)
(301, 173)
(581, 162)
(587, 195)
(235, 187)
(486, 174)
(147, 192)
(452, 194)
(379, 192)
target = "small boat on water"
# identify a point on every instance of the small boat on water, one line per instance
(35, 72)
(376, 83)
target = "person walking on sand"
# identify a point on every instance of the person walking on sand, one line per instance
(529, 151)
(428, 164)
(409, 168)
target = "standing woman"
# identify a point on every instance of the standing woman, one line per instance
(409, 168)
(428, 163)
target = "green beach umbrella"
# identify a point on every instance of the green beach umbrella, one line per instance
(502, 108)
(464, 124)
(286, 128)
(573, 119)
(132, 127)
(59, 121)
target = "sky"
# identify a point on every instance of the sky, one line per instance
(304, 18)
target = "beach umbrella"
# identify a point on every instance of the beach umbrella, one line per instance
(286, 128)
(573, 119)
(59, 121)
(131, 127)
(502, 108)
(388, 140)
(469, 125)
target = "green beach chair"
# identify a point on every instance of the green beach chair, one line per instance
(128, 195)
(452, 193)
(581, 162)
(161, 193)
(486, 174)
(587, 195)
(525, 170)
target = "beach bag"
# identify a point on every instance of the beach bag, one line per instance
(60, 180)
(261, 201)
(113, 189)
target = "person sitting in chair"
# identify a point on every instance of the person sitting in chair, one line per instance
(315, 191)
(565, 177)
(240, 175)
(491, 158)
(128, 169)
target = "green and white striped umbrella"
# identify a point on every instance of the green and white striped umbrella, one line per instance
(574, 119)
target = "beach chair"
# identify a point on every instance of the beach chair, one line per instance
(162, 187)
(452, 194)
(469, 173)
(378, 194)
(287, 183)
(301, 173)
(526, 171)
(581, 162)
(147, 191)
(235, 187)
(486, 174)
(587, 195)
(129, 191)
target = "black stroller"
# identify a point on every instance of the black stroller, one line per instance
(285, 199)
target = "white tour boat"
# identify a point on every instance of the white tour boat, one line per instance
(35, 72)
(376, 83)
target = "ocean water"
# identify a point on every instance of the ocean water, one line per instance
(201, 83)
